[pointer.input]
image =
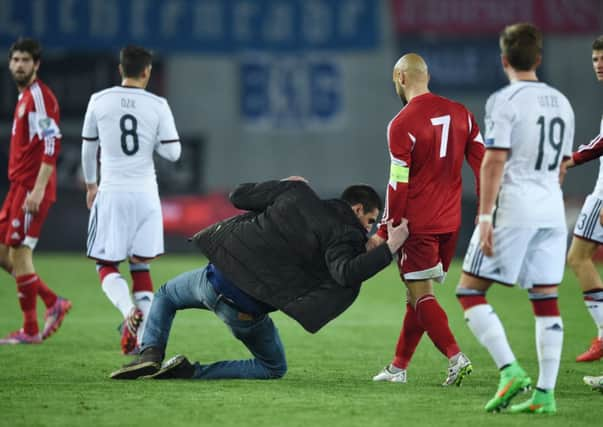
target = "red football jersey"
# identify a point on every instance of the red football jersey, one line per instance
(35, 137)
(428, 140)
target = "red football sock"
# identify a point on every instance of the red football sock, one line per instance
(434, 320)
(47, 295)
(469, 301)
(410, 335)
(105, 269)
(27, 291)
(141, 281)
(545, 307)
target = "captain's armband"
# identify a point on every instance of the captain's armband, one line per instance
(398, 172)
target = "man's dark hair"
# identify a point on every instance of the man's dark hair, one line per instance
(31, 46)
(363, 194)
(521, 44)
(598, 43)
(133, 60)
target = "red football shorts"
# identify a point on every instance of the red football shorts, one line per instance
(427, 256)
(18, 227)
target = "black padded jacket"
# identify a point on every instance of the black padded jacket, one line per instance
(294, 251)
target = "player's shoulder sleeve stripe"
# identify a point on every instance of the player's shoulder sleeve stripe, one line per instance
(87, 138)
(169, 141)
(38, 97)
(98, 95)
(161, 100)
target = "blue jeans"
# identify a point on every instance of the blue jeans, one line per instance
(260, 336)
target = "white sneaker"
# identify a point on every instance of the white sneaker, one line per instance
(392, 374)
(458, 368)
(595, 382)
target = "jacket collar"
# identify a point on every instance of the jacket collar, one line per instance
(345, 213)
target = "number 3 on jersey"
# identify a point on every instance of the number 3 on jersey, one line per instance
(129, 138)
(443, 121)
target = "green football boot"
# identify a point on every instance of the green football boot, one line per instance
(542, 402)
(513, 380)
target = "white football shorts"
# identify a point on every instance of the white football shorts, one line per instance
(588, 226)
(124, 224)
(528, 256)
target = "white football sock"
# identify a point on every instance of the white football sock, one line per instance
(594, 305)
(116, 289)
(549, 341)
(143, 301)
(489, 331)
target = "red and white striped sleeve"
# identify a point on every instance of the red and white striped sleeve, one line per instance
(590, 151)
(400, 143)
(45, 123)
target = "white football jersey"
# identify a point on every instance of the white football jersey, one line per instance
(130, 123)
(598, 191)
(535, 122)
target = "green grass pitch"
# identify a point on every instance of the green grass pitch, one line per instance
(64, 382)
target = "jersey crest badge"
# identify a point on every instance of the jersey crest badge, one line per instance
(21, 111)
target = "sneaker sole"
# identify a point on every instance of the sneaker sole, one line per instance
(136, 371)
(464, 372)
(165, 372)
(507, 400)
(539, 411)
(389, 381)
(9, 342)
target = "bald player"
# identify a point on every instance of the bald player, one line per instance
(522, 234)
(427, 140)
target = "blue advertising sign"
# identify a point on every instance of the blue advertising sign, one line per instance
(213, 26)
(468, 64)
(290, 93)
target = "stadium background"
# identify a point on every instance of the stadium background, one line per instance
(263, 89)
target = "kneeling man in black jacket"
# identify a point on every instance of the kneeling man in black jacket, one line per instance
(291, 252)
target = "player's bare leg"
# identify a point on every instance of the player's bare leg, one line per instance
(433, 319)
(579, 258)
(56, 307)
(549, 342)
(27, 283)
(5, 262)
(116, 289)
(488, 330)
(410, 336)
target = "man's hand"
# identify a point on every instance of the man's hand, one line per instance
(33, 200)
(565, 165)
(374, 241)
(396, 235)
(91, 190)
(486, 237)
(601, 217)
